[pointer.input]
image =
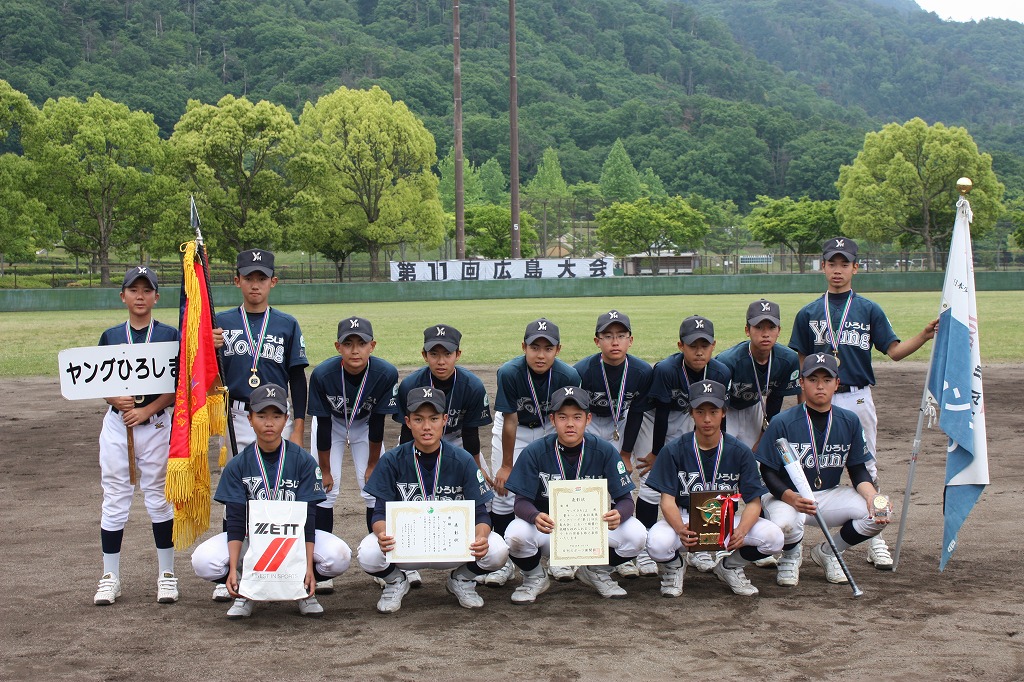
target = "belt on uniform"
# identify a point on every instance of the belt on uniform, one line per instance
(154, 416)
(846, 389)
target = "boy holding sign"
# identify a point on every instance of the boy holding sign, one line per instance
(135, 426)
(428, 468)
(569, 454)
(270, 469)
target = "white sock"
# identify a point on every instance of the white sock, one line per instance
(112, 563)
(165, 559)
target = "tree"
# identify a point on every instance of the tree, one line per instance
(641, 226)
(726, 232)
(95, 162)
(801, 226)
(902, 186)
(652, 186)
(472, 186)
(619, 179)
(487, 232)
(371, 161)
(548, 184)
(493, 182)
(236, 153)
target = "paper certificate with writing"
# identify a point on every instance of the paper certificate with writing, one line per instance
(580, 537)
(438, 531)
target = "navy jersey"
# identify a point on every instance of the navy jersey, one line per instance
(638, 384)
(394, 477)
(537, 465)
(669, 384)
(283, 349)
(866, 326)
(785, 378)
(326, 397)
(240, 481)
(464, 394)
(117, 335)
(514, 393)
(675, 471)
(845, 446)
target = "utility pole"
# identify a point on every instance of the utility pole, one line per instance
(460, 194)
(513, 118)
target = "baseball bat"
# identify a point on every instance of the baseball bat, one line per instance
(803, 488)
(132, 476)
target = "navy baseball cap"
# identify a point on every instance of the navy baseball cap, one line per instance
(268, 395)
(442, 335)
(840, 246)
(570, 394)
(140, 271)
(612, 317)
(541, 329)
(425, 395)
(696, 327)
(816, 361)
(707, 391)
(255, 260)
(759, 311)
(355, 326)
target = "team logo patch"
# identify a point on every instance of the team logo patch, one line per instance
(319, 474)
(620, 467)
(479, 476)
(794, 375)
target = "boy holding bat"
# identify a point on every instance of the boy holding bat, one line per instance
(423, 469)
(827, 439)
(707, 460)
(569, 454)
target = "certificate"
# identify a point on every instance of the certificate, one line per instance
(580, 536)
(439, 531)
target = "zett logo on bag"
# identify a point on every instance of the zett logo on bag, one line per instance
(278, 548)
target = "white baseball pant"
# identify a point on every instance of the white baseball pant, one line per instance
(152, 442)
(524, 540)
(604, 427)
(504, 504)
(331, 556)
(663, 543)
(835, 505)
(358, 446)
(372, 560)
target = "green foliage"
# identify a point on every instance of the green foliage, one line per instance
(493, 183)
(489, 232)
(800, 226)
(548, 184)
(902, 186)
(645, 227)
(472, 184)
(619, 180)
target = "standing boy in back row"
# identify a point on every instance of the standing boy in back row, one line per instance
(846, 326)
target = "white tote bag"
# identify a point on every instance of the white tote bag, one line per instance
(274, 566)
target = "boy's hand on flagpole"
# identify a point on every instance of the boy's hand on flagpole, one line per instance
(931, 328)
(218, 338)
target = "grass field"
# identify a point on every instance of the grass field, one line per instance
(492, 329)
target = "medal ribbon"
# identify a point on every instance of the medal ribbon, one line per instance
(437, 472)
(814, 445)
(700, 465)
(263, 471)
(833, 337)
(616, 406)
(686, 378)
(579, 464)
(533, 394)
(762, 397)
(728, 517)
(451, 392)
(349, 418)
(254, 349)
(128, 332)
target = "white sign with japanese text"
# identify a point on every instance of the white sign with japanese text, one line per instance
(125, 369)
(475, 270)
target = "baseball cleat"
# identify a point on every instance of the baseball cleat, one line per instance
(563, 574)
(648, 566)
(414, 578)
(391, 598)
(878, 554)
(501, 576)
(672, 579)
(220, 593)
(534, 584)
(600, 579)
(242, 608)
(788, 574)
(628, 569)
(465, 591)
(325, 586)
(310, 607)
(108, 590)
(166, 588)
(702, 561)
(825, 559)
(736, 579)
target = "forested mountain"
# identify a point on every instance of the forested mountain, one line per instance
(728, 100)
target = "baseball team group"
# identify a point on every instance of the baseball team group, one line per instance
(694, 422)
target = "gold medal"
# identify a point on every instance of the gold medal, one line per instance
(836, 356)
(764, 424)
(817, 482)
(254, 381)
(615, 435)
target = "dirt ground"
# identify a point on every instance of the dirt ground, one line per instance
(916, 623)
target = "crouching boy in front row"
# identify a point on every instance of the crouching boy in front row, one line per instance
(269, 469)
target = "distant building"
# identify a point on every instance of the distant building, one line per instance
(668, 263)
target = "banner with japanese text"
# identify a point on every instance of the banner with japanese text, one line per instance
(476, 270)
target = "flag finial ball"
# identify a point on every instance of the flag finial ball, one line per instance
(964, 185)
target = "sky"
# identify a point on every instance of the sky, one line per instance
(963, 10)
